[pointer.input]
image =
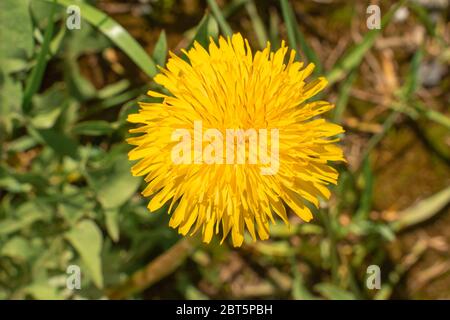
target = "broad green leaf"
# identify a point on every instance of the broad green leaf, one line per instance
(112, 223)
(60, 143)
(21, 144)
(25, 215)
(48, 106)
(43, 291)
(114, 185)
(10, 102)
(74, 203)
(87, 240)
(17, 248)
(16, 31)
(10, 183)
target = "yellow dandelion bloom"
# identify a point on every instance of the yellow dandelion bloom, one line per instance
(228, 87)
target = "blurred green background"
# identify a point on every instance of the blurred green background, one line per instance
(67, 196)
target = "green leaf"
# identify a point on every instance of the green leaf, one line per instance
(16, 31)
(127, 109)
(422, 210)
(232, 7)
(202, 33)
(290, 24)
(299, 290)
(21, 144)
(26, 215)
(17, 248)
(10, 102)
(78, 86)
(35, 79)
(48, 106)
(295, 34)
(113, 89)
(431, 114)
(43, 291)
(160, 51)
(117, 34)
(344, 94)
(114, 185)
(87, 240)
(412, 79)
(85, 40)
(93, 128)
(10, 183)
(74, 203)
(62, 144)
(424, 17)
(226, 29)
(257, 23)
(333, 292)
(274, 30)
(112, 223)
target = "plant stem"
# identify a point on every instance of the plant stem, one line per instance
(157, 269)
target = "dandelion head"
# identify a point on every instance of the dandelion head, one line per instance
(227, 86)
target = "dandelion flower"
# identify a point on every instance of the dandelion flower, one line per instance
(227, 86)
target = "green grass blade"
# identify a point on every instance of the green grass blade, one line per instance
(117, 34)
(412, 79)
(160, 51)
(344, 93)
(366, 198)
(224, 26)
(354, 56)
(308, 51)
(201, 33)
(422, 210)
(294, 35)
(35, 79)
(424, 17)
(290, 24)
(257, 23)
(274, 32)
(387, 125)
(233, 7)
(432, 114)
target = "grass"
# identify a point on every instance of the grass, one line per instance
(67, 196)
